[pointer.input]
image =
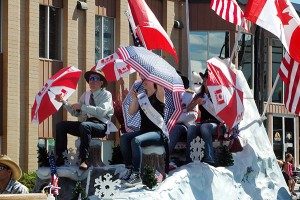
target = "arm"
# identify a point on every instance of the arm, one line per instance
(191, 116)
(196, 100)
(104, 106)
(134, 105)
(73, 109)
(160, 94)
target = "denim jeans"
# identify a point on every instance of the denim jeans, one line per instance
(131, 147)
(84, 130)
(205, 131)
(175, 135)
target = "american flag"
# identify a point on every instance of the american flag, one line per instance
(54, 177)
(136, 40)
(159, 177)
(230, 11)
(290, 74)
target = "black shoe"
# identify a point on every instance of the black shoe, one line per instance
(126, 175)
(60, 161)
(134, 180)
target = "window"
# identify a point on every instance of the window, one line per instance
(277, 54)
(284, 136)
(205, 45)
(246, 58)
(104, 37)
(50, 32)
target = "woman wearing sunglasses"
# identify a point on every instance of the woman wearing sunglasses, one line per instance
(95, 107)
(151, 106)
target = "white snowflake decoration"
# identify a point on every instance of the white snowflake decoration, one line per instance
(197, 149)
(66, 156)
(108, 188)
(73, 157)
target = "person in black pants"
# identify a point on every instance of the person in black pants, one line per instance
(96, 109)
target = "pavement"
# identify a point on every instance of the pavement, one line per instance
(297, 191)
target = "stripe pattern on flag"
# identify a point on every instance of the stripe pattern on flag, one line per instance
(145, 69)
(230, 11)
(290, 74)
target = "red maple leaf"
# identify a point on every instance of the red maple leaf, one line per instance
(283, 16)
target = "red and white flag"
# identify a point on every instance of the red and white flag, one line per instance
(290, 73)
(280, 18)
(148, 28)
(230, 11)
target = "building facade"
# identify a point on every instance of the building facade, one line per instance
(39, 37)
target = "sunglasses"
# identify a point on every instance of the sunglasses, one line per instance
(94, 78)
(3, 167)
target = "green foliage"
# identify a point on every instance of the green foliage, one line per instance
(148, 178)
(43, 157)
(79, 190)
(28, 180)
(225, 157)
(116, 156)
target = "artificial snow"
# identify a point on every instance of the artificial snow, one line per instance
(254, 175)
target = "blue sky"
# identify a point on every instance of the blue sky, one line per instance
(295, 1)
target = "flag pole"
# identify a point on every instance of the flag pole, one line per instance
(263, 117)
(187, 16)
(236, 42)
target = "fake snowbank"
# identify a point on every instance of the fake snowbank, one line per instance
(255, 174)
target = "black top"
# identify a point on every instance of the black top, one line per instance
(146, 124)
(205, 115)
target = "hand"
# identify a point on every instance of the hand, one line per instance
(200, 101)
(76, 106)
(59, 98)
(121, 80)
(134, 94)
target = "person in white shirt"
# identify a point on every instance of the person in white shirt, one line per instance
(95, 107)
(186, 118)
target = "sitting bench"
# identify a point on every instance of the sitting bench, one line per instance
(95, 158)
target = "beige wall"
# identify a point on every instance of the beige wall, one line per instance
(21, 63)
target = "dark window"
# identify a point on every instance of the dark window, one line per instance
(104, 37)
(245, 57)
(277, 54)
(50, 32)
(278, 137)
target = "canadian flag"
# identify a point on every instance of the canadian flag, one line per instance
(148, 28)
(280, 18)
(113, 67)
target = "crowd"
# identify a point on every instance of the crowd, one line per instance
(95, 108)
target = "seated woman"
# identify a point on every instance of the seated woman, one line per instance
(151, 106)
(208, 123)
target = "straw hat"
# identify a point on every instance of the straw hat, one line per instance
(97, 72)
(16, 170)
